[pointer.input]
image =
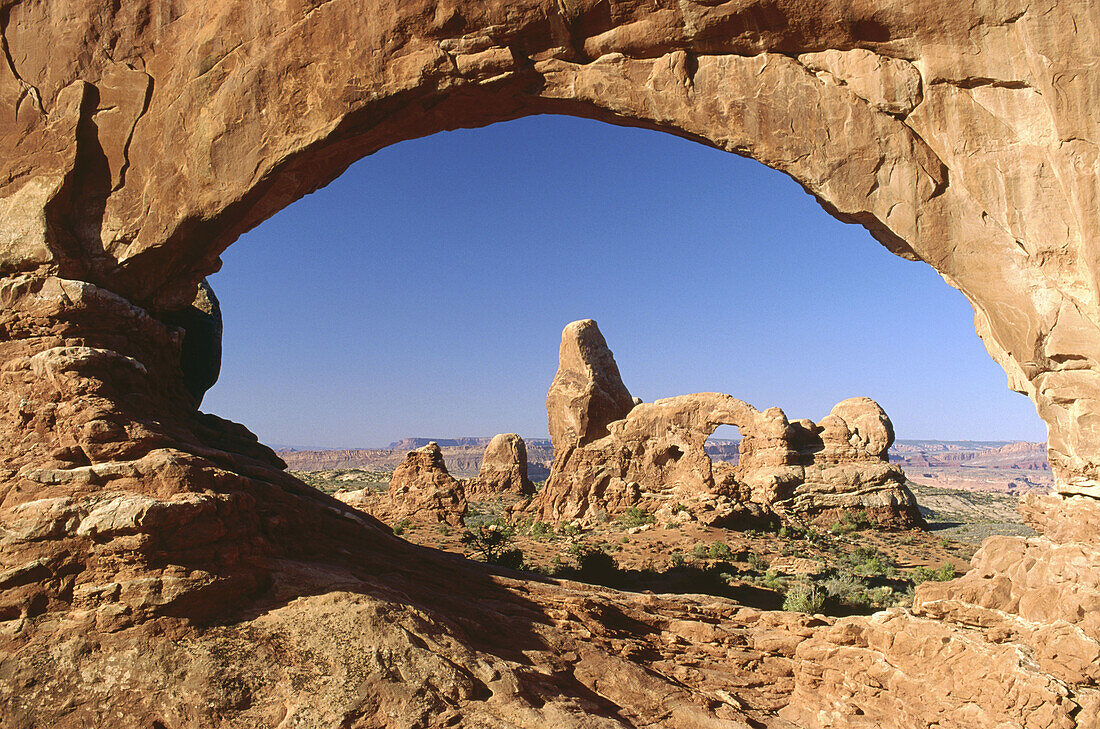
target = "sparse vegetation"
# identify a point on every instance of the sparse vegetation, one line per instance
(636, 516)
(542, 531)
(923, 574)
(493, 542)
(804, 598)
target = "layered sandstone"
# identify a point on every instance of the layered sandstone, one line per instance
(159, 569)
(503, 469)
(654, 457)
(421, 490)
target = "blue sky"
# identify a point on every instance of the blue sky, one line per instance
(423, 293)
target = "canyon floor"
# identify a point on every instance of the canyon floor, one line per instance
(966, 492)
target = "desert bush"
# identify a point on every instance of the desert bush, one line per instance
(541, 531)
(596, 565)
(858, 519)
(493, 541)
(569, 530)
(803, 598)
(923, 574)
(699, 551)
(402, 526)
(757, 562)
(719, 550)
(635, 516)
(676, 559)
(845, 587)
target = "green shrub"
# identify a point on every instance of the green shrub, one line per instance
(676, 559)
(757, 562)
(699, 551)
(635, 516)
(541, 531)
(802, 598)
(857, 519)
(945, 573)
(493, 541)
(773, 581)
(596, 565)
(923, 574)
(402, 526)
(569, 530)
(719, 550)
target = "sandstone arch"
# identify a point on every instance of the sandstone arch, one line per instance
(141, 137)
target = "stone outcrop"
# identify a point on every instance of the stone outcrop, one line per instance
(503, 469)
(159, 568)
(655, 456)
(421, 490)
(587, 392)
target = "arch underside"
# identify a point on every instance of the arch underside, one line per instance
(142, 139)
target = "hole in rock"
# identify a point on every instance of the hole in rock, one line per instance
(423, 295)
(723, 444)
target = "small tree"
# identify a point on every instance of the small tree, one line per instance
(493, 541)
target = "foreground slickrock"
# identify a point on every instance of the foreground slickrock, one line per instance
(159, 569)
(652, 455)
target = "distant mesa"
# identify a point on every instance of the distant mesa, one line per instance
(408, 444)
(612, 453)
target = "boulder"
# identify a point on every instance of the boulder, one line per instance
(503, 469)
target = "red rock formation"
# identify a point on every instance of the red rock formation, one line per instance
(503, 469)
(140, 139)
(655, 458)
(587, 392)
(421, 490)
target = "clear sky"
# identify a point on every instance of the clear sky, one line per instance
(423, 293)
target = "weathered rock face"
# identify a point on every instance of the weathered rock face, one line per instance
(845, 467)
(141, 139)
(422, 490)
(1014, 642)
(655, 457)
(503, 469)
(587, 392)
